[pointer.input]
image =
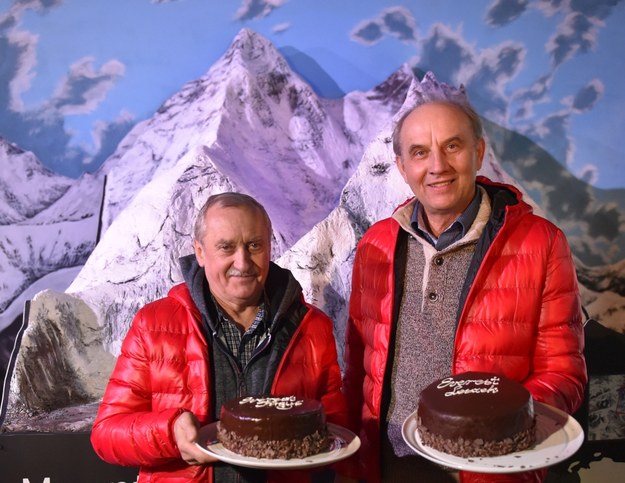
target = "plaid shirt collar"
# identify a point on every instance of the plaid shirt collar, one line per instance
(455, 231)
(241, 345)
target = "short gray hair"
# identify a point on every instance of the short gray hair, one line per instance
(229, 199)
(431, 91)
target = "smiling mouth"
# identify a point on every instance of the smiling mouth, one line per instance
(441, 184)
(237, 274)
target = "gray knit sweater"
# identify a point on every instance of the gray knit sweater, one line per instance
(425, 332)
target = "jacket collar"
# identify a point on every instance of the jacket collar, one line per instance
(282, 290)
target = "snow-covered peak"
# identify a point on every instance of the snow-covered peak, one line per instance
(251, 111)
(26, 186)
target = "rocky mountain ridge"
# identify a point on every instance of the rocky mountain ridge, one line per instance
(323, 168)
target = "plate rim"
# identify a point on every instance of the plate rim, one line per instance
(571, 430)
(351, 440)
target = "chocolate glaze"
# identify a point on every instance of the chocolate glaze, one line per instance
(476, 406)
(273, 418)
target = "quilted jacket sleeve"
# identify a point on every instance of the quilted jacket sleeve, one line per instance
(127, 431)
(367, 338)
(354, 373)
(559, 374)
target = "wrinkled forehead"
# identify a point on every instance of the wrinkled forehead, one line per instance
(439, 113)
(434, 123)
(248, 218)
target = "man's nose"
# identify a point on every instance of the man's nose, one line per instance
(438, 160)
(241, 258)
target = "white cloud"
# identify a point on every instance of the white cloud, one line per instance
(500, 63)
(588, 173)
(575, 34)
(550, 8)
(367, 32)
(399, 22)
(395, 22)
(24, 45)
(252, 9)
(554, 131)
(17, 9)
(522, 101)
(281, 27)
(502, 12)
(586, 97)
(101, 128)
(85, 87)
(446, 53)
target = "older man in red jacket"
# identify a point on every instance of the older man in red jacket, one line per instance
(238, 326)
(462, 277)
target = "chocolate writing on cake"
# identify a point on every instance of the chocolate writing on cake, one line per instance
(283, 403)
(459, 387)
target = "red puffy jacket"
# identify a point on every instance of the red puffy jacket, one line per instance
(163, 369)
(521, 318)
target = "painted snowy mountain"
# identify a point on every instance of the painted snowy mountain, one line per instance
(592, 218)
(322, 259)
(323, 168)
(249, 124)
(20, 173)
(603, 293)
(136, 261)
(47, 222)
(249, 111)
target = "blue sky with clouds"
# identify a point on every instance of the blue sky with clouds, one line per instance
(75, 75)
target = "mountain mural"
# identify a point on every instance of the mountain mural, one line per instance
(593, 219)
(248, 112)
(323, 168)
(251, 110)
(47, 222)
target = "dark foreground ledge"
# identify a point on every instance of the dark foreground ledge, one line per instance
(56, 458)
(69, 458)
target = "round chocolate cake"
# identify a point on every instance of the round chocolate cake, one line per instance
(273, 427)
(476, 414)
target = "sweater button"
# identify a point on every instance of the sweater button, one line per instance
(433, 296)
(438, 261)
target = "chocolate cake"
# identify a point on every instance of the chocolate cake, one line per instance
(476, 414)
(273, 427)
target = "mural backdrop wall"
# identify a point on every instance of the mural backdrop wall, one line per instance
(98, 99)
(76, 76)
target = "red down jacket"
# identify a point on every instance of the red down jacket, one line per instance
(163, 369)
(521, 317)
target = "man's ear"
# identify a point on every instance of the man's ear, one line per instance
(480, 151)
(199, 252)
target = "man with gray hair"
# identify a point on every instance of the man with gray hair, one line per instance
(238, 326)
(462, 277)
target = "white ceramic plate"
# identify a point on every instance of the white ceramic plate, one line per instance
(344, 443)
(558, 436)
